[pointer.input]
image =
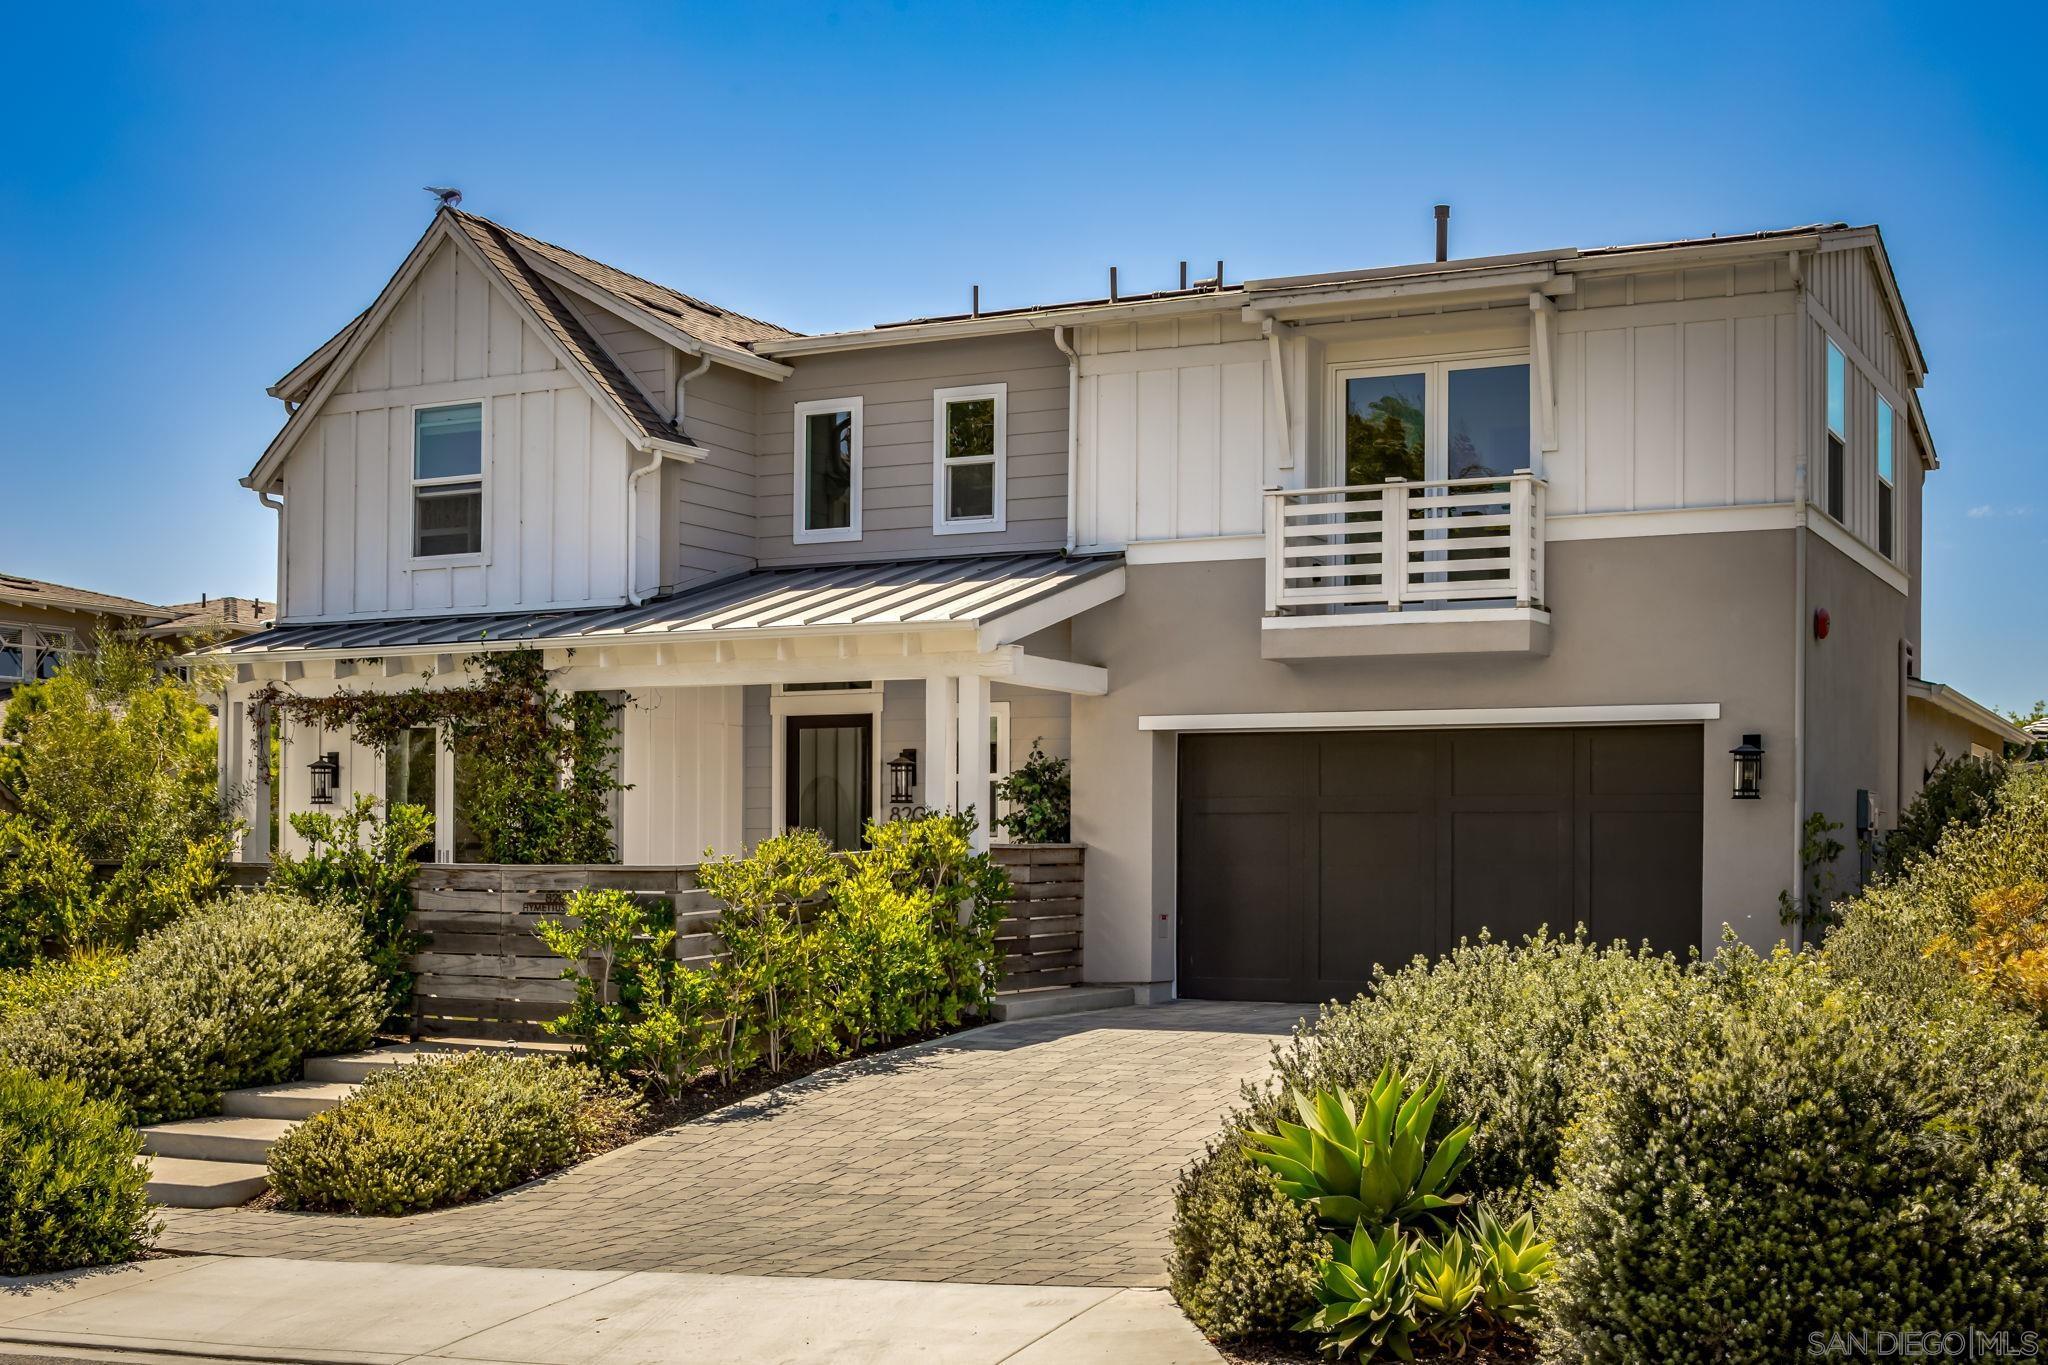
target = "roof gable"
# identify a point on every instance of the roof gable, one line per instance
(537, 303)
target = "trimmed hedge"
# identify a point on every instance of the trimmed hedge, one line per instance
(438, 1133)
(238, 993)
(71, 1191)
(1773, 1152)
(1512, 1031)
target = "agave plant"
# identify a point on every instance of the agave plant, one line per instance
(1363, 1299)
(1446, 1281)
(1367, 1165)
(1513, 1265)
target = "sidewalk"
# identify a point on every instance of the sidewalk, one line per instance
(377, 1314)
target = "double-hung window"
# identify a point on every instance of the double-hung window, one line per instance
(448, 482)
(1838, 434)
(825, 498)
(1887, 494)
(969, 482)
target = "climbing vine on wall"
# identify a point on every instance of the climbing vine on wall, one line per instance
(539, 764)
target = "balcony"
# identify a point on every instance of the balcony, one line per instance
(1440, 566)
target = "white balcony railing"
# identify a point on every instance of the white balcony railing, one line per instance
(1390, 544)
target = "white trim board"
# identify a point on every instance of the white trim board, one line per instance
(1651, 713)
(1195, 549)
(1845, 540)
(1672, 521)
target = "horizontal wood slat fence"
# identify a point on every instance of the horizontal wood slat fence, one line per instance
(484, 973)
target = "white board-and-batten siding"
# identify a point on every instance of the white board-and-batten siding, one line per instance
(681, 759)
(554, 467)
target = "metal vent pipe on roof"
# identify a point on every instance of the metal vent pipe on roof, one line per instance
(1112, 284)
(1443, 232)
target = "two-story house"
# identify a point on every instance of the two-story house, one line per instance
(1374, 608)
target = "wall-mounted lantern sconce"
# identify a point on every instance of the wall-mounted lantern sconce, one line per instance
(903, 781)
(326, 771)
(1749, 768)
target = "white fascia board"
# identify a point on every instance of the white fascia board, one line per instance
(1509, 280)
(1056, 675)
(673, 450)
(1028, 620)
(1482, 717)
(908, 333)
(1843, 539)
(1964, 708)
(1691, 254)
(1195, 549)
(296, 380)
(655, 326)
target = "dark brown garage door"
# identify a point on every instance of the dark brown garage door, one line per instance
(1307, 858)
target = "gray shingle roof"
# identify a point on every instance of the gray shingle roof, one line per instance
(36, 592)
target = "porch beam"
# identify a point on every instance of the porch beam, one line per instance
(1058, 675)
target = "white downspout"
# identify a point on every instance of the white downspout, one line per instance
(1272, 335)
(633, 593)
(1799, 609)
(276, 504)
(1059, 339)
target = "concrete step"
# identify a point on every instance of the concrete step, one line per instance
(348, 1068)
(1046, 1004)
(293, 1100)
(181, 1184)
(222, 1138)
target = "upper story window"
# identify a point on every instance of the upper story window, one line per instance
(1453, 419)
(28, 654)
(1838, 434)
(826, 495)
(448, 481)
(968, 477)
(1887, 495)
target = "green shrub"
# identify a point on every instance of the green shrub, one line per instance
(1959, 791)
(437, 1133)
(1511, 1032)
(1771, 1151)
(47, 901)
(55, 978)
(776, 1006)
(1888, 935)
(71, 1191)
(365, 863)
(1040, 798)
(238, 993)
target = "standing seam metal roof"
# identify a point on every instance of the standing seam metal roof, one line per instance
(911, 593)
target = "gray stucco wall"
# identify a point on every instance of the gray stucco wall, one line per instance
(1667, 619)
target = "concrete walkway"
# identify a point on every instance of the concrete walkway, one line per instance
(1038, 1152)
(375, 1314)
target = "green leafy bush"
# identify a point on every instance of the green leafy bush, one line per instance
(47, 902)
(55, 978)
(365, 863)
(116, 760)
(1510, 1032)
(1771, 1151)
(1041, 800)
(442, 1132)
(777, 1007)
(637, 1009)
(71, 1191)
(238, 993)
(1959, 791)
(928, 868)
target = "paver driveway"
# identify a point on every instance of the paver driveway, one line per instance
(1038, 1152)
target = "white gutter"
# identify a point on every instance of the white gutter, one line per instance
(658, 451)
(1966, 709)
(1059, 339)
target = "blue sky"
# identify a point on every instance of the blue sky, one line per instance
(193, 196)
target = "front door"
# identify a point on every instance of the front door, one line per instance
(828, 776)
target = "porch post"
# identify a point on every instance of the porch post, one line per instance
(974, 766)
(938, 742)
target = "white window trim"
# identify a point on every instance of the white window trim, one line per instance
(943, 525)
(798, 532)
(1436, 398)
(847, 702)
(482, 478)
(1885, 425)
(1005, 763)
(1829, 350)
(60, 639)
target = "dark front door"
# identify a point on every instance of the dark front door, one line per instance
(828, 776)
(1305, 859)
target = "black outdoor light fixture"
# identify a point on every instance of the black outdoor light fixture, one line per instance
(326, 771)
(903, 780)
(1749, 768)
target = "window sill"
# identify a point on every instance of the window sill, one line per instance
(986, 526)
(417, 562)
(835, 537)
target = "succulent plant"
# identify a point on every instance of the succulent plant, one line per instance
(1369, 1164)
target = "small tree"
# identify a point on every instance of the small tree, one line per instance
(770, 963)
(1040, 797)
(357, 860)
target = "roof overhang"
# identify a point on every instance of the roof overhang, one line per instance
(1945, 698)
(651, 323)
(1002, 324)
(138, 611)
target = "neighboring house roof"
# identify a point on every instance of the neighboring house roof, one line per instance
(32, 592)
(913, 594)
(1948, 699)
(215, 618)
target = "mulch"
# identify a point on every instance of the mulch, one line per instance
(1510, 1348)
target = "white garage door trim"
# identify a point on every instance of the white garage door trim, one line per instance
(1646, 714)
